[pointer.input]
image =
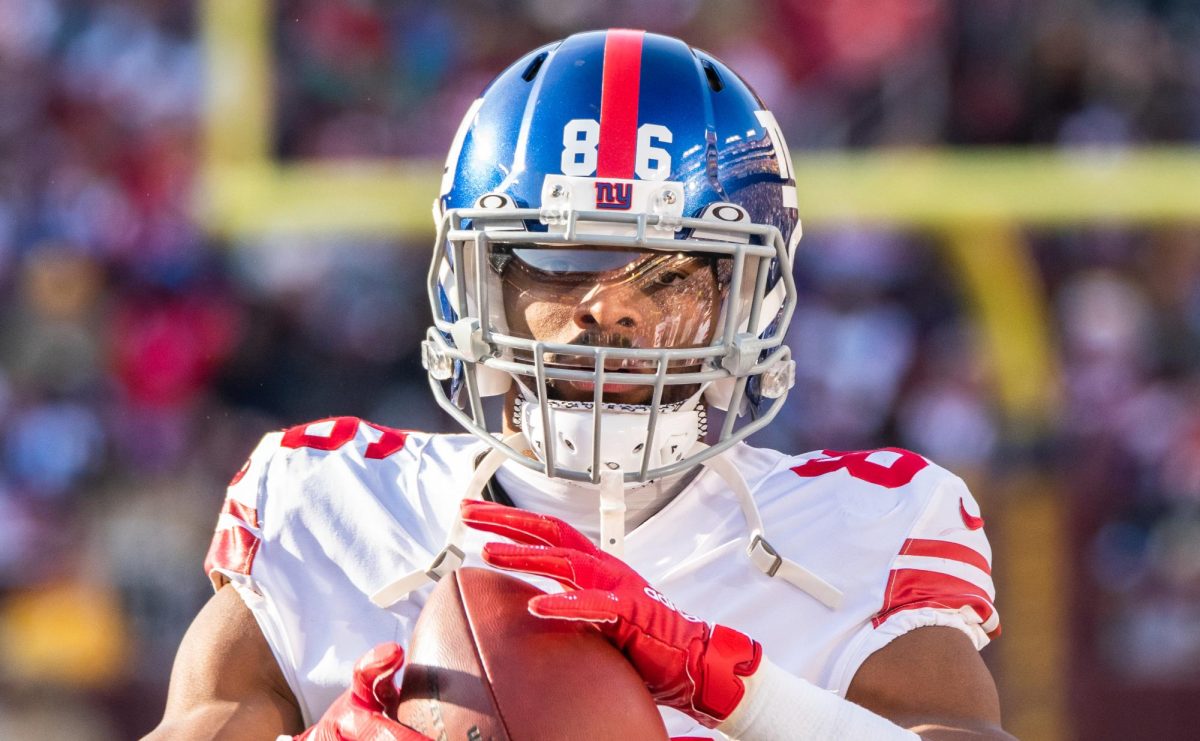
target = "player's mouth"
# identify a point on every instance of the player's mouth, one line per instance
(614, 392)
(609, 388)
(616, 388)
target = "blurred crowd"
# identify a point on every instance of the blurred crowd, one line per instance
(140, 358)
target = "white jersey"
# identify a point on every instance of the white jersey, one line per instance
(324, 515)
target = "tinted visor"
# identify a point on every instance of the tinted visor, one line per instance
(610, 298)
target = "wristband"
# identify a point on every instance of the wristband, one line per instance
(780, 705)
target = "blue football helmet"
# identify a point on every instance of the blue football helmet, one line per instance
(615, 232)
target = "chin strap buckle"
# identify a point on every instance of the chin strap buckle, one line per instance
(763, 556)
(445, 563)
(612, 512)
(767, 560)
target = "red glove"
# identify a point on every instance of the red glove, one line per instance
(362, 712)
(686, 663)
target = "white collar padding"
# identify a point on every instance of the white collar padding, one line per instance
(623, 432)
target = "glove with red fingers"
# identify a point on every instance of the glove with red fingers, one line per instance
(686, 663)
(365, 711)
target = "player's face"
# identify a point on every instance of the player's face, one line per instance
(615, 298)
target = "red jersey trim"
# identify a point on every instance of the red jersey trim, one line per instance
(233, 546)
(911, 589)
(232, 550)
(946, 549)
(243, 512)
(972, 522)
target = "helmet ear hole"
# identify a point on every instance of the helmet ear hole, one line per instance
(535, 65)
(715, 83)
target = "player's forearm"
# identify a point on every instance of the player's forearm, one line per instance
(216, 721)
(959, 731)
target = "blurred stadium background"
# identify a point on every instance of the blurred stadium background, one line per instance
(214, 222)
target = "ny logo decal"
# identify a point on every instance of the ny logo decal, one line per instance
(615, 196)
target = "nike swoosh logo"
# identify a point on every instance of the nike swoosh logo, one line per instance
(971, 521)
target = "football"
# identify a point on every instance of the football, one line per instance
(481, 667)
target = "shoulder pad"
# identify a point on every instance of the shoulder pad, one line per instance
(237, 535)
(945, 563)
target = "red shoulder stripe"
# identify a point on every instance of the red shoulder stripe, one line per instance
(243, 512)
(233, 547)
(910, 589)
(946, 549)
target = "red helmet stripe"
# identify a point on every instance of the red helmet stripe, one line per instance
(619, 103)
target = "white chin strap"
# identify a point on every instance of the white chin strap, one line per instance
(612, 512)
(612, 519)
(622, 438)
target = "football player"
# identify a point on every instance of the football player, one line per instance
(616, 226)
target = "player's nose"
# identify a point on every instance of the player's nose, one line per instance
(608, 311)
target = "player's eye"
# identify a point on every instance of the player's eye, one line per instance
(670, 277)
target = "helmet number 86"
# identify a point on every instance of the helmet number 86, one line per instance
(581, 137)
